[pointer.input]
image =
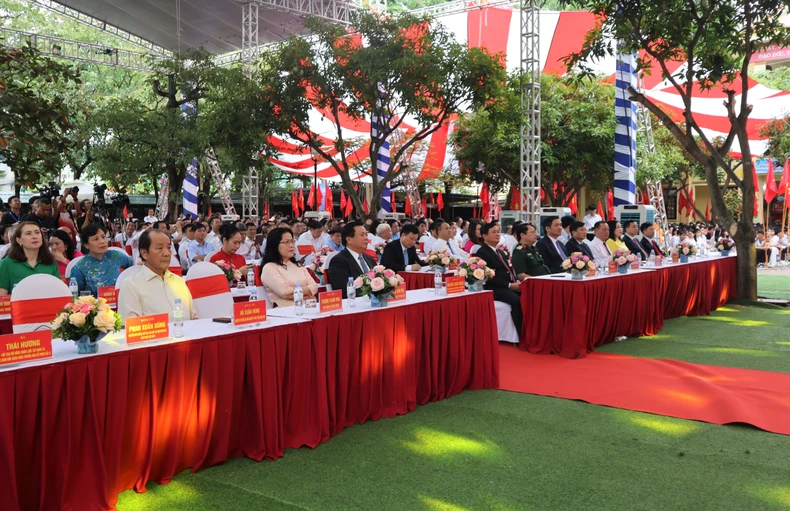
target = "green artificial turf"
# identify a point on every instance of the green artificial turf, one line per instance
(750, 336)
(776, 287)
(496, 450)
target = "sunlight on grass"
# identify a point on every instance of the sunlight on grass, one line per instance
(727, 308)
(430, 442)
(673, 427)
(739, 351)
(440, 505)
(776, 495)
(782, 343)
(740, 322)
(175, 495)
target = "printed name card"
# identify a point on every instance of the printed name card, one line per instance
(422, 247)
(5, 304)
(305, 249)
(453, 266)
(635, 264)
(675, 257)
(591, 272)
(147, 328)
(399, 293)
(659, 261)
(246, 313)
(455, 285)
(110, 294)
(16, 348)
(612, 267)
(329, 301)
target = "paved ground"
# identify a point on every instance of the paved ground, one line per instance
(780, 270)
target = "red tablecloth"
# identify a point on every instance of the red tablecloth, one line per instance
(6, 327)
(419, 280)
(572, 318)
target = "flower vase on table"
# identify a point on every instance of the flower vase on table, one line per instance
(379, 301)
(724, 245)
(440, 260)
(475, 273)
(476, 286)
(685, 249)
(622, 269)
(86, 321)
(578, 265)
(623, 258)
(578, 275)
(378, 283)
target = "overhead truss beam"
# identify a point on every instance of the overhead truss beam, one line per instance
(458, 6)
(338, 11)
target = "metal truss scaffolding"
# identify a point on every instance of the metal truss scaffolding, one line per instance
(530, 109)
(250, 189)
(219, 182)
(458, 6)
(338, 11)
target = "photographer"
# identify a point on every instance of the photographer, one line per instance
(88, 216)
(42, 215)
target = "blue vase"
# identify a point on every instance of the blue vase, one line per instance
(86, 346)
(684, 258)
(623, 268)
(476, 287)
(379, 302)
(724, 253)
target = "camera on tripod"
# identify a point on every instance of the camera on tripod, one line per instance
(49, 191)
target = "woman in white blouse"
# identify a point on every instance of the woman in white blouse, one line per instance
(281, 271)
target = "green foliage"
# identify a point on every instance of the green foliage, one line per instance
(778, 136)
(408, 67)
(577, 137)
(778, 78)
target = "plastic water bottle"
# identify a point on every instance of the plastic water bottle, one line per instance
(437, 283)
(178, 319)
(74, 288)
(299, 300)
(254, 298)
(251, 278)
(351, 293)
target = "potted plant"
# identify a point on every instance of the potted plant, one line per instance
(378, 283)
(578, 264)
(724, 245)
(440, 260)
(475, 273)
(85, 322)
(623, 258)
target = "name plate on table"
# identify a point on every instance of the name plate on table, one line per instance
(612, 267)
(16, 348)
(675, 257)
(329, 301)
(246, 313)
(635, 264)
(658, 261)
(147, 328)
(305, 249)
(453, 266)
(399, 293)
(110, 294)
(591, 272)
(455, 285)
(5, 304)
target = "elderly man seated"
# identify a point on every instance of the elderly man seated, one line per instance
(153, 289)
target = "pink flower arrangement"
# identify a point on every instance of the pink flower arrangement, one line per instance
(725, 244)
(319, 260)
(379, 282)
(622, 256)
(379, 248)
(686, 248)
(504, 249)
(579, 262)
(87, 316)
(231, 273)
(441, 258)
(475, 270)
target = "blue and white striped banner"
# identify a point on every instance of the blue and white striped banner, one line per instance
(190, 190)
(625, 132)
(383, 163)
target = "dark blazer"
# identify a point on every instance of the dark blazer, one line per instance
(502, 278)
(551, 257)
(574, 246)
(635, 247)
(649, 247)
(342, 266)
(392, 257)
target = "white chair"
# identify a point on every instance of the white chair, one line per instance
(506, 329)
(211, 296)
(326, 267)
(128, 272)
(71, 265)
(35, 301)
(118, 249)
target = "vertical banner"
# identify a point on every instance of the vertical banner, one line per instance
(383, 156)
(625, 132)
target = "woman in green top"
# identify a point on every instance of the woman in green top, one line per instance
(27, 256)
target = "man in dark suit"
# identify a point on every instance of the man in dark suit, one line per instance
(648, 231)
(351, 262)
(401, 254)
(504, 284)
(577, 241)
(631, 229)
(550, 246)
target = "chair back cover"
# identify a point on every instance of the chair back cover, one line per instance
(210, 290)
(35, 301)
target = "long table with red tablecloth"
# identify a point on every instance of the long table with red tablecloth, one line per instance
(76, 431)
(570, 318)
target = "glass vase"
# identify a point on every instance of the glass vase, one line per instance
(379, 302)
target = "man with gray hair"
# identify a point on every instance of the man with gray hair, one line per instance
(384, 231)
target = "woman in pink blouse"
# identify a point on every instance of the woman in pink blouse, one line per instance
(281, 271)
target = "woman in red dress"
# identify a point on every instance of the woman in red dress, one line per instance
(231, 241)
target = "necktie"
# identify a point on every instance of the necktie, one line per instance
(509, 269)
(607, 248)
(451, 249)
(362, 263)
(560, 250)
(640, 247)
(406, 257)
(655, 247)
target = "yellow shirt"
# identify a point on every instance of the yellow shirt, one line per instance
(146, 293)
(614, 245)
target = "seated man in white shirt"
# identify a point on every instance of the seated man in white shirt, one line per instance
(314, 236)
(444, 240)
(153, 289)
(150, 218)
(189, 235)
(248, 248)
(213, 237)
(384, 232)
(429, 239)
(123, 237)
(598, 244)
(591, 219)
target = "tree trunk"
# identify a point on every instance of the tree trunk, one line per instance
(747, 266)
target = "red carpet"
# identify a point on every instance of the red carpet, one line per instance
(720, 395)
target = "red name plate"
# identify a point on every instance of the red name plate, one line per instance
(245, 313)
(453, 266)
(455, 285)
(399, 293)
(305, 249)
(5, 304)
(16, 348)
(612, 267)
(591, 272)
(422, 246)
(329, 301)
(659, 260)
(635, 264)
(675, 257)
(147, 328)
(110, 294)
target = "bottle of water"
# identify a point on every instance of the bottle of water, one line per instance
(74, 288)
(351, 293)
(254, 298)
(437, 283)
(178, 319)
(299, 300)
(251, 278)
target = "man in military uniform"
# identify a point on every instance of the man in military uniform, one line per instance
(527, 261)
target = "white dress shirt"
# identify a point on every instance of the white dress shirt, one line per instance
(182, 253)
(599, 249)
(591, 220)
(564, 237)
(428, 242)
(146, 293)
(509, 241)
(150, 219)
(214, 240)
(451, 247)
(307, 239)
(245, 249)
(356, 258)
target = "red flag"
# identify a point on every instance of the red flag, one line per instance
(393, 207)
(573, 205)
(600, 210)
(266, 210)
(515, 199)
(349, 206)
(485, 198)
(424, 207)
(692, 206)
(342, 201)
(770, 183)
(301, 201)
(754, 177)
(126, 211)
(432, 199)
(784, 184)
(319, 200)
(209, 211)
(365, 205)
(311, 197)
(407, 206)
(645, 198)
(440, 202)
(329, 202)
(683, 204)
(294, 203)
(707, 212)
(610, 204)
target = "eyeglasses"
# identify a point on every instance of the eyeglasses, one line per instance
(287, 242)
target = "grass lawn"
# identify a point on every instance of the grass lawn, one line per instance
(773, 286)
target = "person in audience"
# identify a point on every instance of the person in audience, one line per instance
(578, 241)
(401, 254)
(189, 236)
(429, 238)
(153, 289)
(767, 249)
(100, 266)
(124, 237)
(633, 244)
(281, 272)
(565, 235)
(314, 236)
(444, 240)
(508, 239)
(231, 240)
(615, 241)
(42, 215)
(248, 248)
(213, 236)
(504, 284)
(395, 228)
(590, 219)
(14, 214)
(474, 238)
(63, 249)
(199, 248)
(6, 231)
(298, 227)
(162, 226)
(598, 245)
(527, 261)
(150, 218)
(648, 244)
(351, 262)
(27, 256)
(550, 247)
(384, 232)
(335, 239)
